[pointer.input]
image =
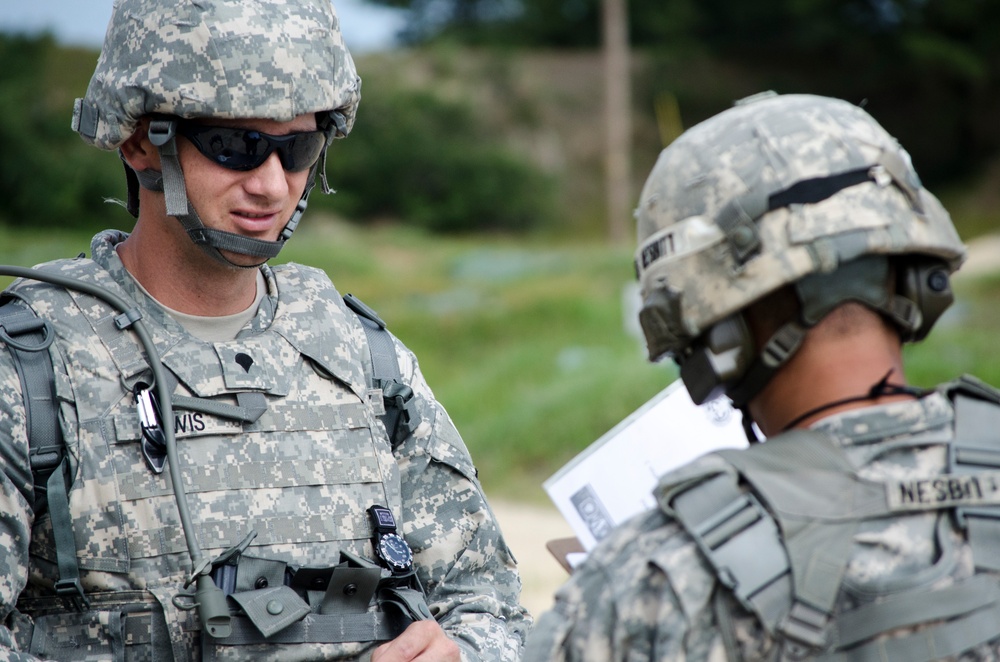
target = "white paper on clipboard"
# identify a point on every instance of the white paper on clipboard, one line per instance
(614, 477)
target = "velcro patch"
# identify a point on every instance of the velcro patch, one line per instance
(944, 491)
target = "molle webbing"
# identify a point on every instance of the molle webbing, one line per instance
(320, 629)
(977, 447)
(783, 564)
(782, 546)
(971, 607)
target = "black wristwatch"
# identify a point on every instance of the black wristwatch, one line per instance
(390, 547)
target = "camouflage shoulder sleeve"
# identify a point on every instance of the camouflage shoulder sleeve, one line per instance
(469, 574)
(16, 493)
(644, 593)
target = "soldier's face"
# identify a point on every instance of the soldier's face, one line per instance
(255, 203)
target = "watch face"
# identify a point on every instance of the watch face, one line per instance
(394, 551)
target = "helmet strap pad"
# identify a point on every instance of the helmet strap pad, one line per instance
(865, 280)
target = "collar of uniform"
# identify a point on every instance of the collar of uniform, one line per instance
(878, 422)
(103, 249)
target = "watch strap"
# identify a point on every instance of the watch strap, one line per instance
(382, 520)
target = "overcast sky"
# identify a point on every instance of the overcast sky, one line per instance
(82, 22)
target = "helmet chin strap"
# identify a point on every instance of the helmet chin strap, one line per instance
(162, 133)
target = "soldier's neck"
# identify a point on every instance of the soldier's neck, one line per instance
(181, 276)
(827, 371)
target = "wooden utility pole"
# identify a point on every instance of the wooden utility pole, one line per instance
(617, 119)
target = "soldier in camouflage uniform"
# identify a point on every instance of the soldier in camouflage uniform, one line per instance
(786, 251)
(255, 541)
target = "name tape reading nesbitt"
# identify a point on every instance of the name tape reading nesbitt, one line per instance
(944, 491)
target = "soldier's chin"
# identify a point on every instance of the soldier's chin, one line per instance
(242, 260)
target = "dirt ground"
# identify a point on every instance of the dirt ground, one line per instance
(984, 257)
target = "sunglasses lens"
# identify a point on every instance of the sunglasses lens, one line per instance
(244, 149)
(301, 150)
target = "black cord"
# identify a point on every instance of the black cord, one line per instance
(881, 388)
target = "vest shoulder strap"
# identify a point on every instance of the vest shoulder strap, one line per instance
(976, 448)
(752, 523)
(400, 417)
(28, 338)
(776, 523)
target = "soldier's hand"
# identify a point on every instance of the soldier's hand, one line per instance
(422, 641)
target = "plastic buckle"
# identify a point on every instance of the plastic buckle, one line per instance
(805, 627)
(162, 131)
(71, 591)
(46, 458)
(743, 544)
(782, 344)
(966, 458)
(399, 397)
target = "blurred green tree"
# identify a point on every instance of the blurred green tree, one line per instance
(930, 69)
(430, 161)
(48, 176)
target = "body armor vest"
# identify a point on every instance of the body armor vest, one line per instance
(776, 524)
(282, 455)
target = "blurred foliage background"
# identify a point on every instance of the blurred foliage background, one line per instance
(470, 205)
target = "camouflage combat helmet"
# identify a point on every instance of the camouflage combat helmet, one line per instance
(785, 190)
(169, 59)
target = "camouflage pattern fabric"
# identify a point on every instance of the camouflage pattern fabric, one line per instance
(646, 592)
(706, 199)
(301, 476)
(217, 58)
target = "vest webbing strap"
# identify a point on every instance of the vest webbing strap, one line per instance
(785, 562)
(28, 337)
(977, 446)
(320, 629)
(250, 406)
(725, 521)
(817, 513)
(799, 534)
(68, 585)
(912, 608)
(941, 641)
(400, 418)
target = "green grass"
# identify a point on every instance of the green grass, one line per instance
(524, 340)
(965, 338)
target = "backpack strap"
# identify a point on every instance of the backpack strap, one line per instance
(400, 418)
(781, 547)
(776, 523)
(28, 337)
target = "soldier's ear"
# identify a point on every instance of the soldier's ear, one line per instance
(138, 151)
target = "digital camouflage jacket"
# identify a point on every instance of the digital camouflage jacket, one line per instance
(895, 556)
(301, 476)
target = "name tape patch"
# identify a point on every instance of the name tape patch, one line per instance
(661, 247)
(945, 491)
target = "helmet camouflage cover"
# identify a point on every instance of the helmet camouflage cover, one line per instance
(770, 191)
(273, 59)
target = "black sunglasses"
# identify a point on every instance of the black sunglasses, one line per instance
(246, 149)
